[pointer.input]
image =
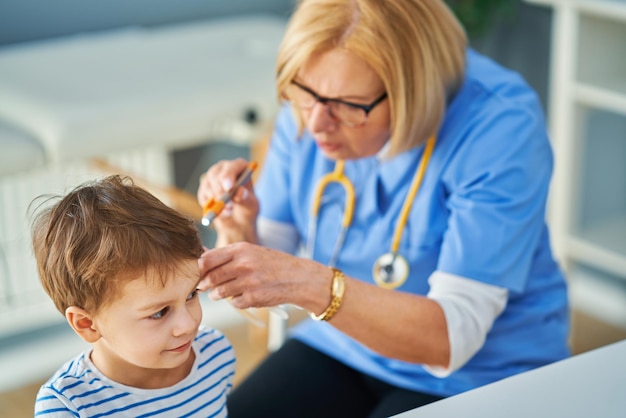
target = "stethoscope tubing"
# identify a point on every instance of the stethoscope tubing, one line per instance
(338, 176)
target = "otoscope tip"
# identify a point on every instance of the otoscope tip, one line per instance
(206, 220)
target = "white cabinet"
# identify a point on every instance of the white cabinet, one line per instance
(587, 117)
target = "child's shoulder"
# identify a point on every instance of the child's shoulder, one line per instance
(206, 333)
(73, 371)
(212, 346)
(74, 377)
(211, 338)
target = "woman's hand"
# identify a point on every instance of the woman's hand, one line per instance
(252, 276)
(237, 222)
(255, 276)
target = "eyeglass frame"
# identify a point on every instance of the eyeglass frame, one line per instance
(367, 108)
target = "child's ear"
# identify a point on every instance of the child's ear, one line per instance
(82, 323)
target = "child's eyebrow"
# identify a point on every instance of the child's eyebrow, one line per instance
(159, 305)
(155, 306)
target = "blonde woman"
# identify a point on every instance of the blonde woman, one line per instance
(402, 204)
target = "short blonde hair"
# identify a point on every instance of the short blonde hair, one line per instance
(417, 48)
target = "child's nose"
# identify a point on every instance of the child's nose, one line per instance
(187, 322)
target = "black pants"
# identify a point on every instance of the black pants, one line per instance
(298, 381)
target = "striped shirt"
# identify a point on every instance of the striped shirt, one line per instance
(79, 389)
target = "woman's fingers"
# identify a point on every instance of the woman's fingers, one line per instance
(219, 179)
(246, 273)
(238, 218)
(210, 273)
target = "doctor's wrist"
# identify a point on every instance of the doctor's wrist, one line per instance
(337, 291)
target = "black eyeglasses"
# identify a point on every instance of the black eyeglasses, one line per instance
(347, 113)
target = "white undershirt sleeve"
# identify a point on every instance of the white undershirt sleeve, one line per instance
(470, 308)
(277, 235)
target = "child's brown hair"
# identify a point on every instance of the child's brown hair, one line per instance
(104, 233)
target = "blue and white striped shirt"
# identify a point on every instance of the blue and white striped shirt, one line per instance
(79, 389)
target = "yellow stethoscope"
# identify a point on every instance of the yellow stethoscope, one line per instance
(390, 269)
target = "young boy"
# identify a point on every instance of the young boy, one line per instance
(123, 269)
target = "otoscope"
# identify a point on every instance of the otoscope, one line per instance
(213, 207)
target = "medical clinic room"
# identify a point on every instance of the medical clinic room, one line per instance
(313, 208)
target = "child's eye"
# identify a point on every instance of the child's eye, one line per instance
(159, 314)
(193, 294)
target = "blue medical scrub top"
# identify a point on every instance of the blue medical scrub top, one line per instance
(478, 214)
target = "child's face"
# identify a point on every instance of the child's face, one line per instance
(149, 326)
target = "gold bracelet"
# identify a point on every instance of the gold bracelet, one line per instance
(338, 288)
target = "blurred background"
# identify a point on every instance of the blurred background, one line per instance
(160, 90)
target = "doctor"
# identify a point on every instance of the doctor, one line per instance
(412, 174)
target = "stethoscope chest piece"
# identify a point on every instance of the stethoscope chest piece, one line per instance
(390, 270)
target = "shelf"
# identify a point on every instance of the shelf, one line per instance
(25, 316)
(601, 55)
(592, 293)
(611, 96)
(602, 245)
(611, 9)
(588, 128)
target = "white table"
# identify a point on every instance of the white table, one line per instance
(177, 86)
(18, 150)
(591, 384)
